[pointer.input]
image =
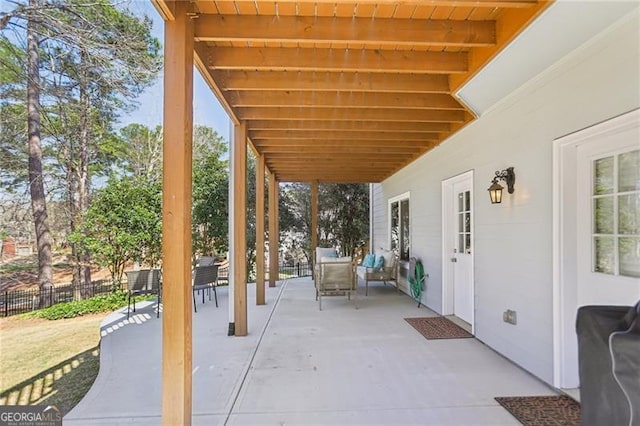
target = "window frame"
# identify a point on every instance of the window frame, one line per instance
(406, 196)
(614, 196)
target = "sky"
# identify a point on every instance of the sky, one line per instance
(206, 108)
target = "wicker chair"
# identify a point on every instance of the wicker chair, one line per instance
(335, 277)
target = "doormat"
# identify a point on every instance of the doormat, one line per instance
(543, 410)
(438, 328)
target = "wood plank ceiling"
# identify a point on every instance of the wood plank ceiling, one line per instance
(339, 91)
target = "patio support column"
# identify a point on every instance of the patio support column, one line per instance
(176, 218)
(238, 213)
(314, 219)
(260, 290)
(274, 231)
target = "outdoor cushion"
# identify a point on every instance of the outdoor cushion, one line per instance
(379, 263)
(389, 256)
(369, 260)
(325, 252)
(333, 259)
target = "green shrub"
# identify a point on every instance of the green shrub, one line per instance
(76, 308)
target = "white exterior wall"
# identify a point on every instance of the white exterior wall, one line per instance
(513, 240)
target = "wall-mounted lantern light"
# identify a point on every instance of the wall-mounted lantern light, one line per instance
(495, 190)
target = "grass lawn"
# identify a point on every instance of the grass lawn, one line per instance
(48, 362)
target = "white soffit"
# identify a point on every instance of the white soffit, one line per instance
(563, 27)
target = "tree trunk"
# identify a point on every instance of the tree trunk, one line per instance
(83, 184)
(72, 185)
(36, 183)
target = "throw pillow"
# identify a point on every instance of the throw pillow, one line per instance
(379, 263)
(369, 260)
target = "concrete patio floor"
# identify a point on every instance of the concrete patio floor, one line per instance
(299, 365)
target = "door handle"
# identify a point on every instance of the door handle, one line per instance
(453, 259)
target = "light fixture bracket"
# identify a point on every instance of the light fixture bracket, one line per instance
(508, 176)
(495, 190)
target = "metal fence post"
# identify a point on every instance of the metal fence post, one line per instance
(6, 303)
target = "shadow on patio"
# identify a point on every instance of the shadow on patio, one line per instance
(301, 365)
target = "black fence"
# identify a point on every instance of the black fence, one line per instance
(294, 270)
(13, 302)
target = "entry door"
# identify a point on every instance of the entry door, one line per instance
(596, 229)
(462, 255)
(609, 234)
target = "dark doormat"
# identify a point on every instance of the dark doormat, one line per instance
(438, 328)
(542, 410)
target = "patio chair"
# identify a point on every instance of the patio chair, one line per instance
(335, 278)
(386, 273)
(206, 261)
(320, 253)
(205, 278)
(143, 282)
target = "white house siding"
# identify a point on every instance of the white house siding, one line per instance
(513, 240)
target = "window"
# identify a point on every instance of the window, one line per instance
(399, 231)
(615, 207)
(464, 222)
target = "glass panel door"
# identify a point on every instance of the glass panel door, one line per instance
(464, 222)
(615, 202)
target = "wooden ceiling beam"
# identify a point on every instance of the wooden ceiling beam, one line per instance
(335, 137)
(342, 114)
(337, 170)
(166, 9)
(445, 3)
(378, 31)
(343, 100)
(308, 163)
(350, 150)
(367, 168)
(322, 158)
(334, 60)
(198, 55)
(294, 144)
(355, 178)
(324, 81)
(312, 145)
(348, 126)
(348, 92)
